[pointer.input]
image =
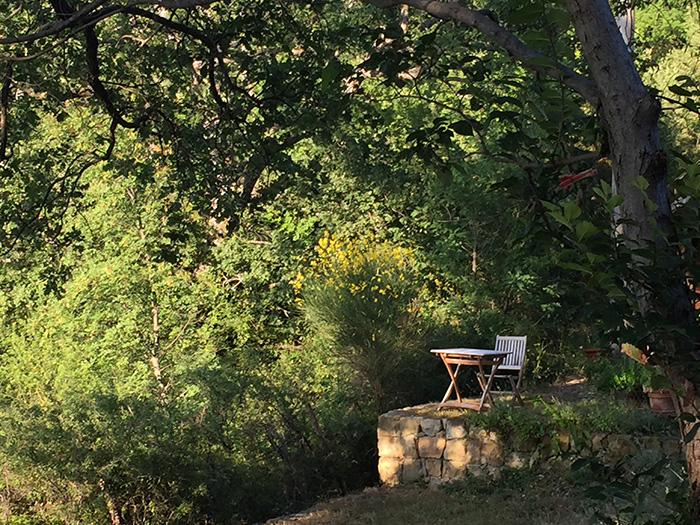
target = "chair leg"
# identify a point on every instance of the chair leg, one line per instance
(516, 390)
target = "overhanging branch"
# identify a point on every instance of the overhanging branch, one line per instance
(485, 23)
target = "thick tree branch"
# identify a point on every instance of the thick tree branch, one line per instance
(89, 14)
(66, 20)
(485, 23)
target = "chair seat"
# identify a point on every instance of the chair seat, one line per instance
(508, 370)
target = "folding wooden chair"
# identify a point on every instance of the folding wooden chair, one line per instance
(513, 365)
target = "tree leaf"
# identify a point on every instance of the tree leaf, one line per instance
(691, 433)
(585, 229)
(572, 211)
(462, 127)
(528, 14)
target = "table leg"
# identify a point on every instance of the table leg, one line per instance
(487, 386)
(453, 382)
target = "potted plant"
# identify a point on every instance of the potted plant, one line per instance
(662, 399)
(591, 353)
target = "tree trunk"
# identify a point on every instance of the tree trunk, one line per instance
(640, 175)
(690, 403)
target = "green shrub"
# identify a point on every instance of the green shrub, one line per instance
(360, 300)
(618, 374)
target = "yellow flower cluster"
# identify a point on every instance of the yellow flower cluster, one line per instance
(361, 266)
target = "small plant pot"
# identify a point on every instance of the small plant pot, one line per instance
(662, 402)
(591, 353)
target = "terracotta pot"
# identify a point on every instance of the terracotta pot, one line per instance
(591, 353)
(662, 402)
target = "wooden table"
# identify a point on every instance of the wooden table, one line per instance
(469, 357)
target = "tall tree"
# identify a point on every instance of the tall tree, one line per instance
(268, 82)
(629, 114)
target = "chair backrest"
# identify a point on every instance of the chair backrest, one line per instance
(515, 344)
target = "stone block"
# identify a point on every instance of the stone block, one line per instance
(452, 470)
(409, 425)
(456, 451)
(408, 443)
(388, 425)
(649, 443)
(517, 460)
(390, 447)
(432, 468)
(389, 471)
(473, 451)
(434, 483)
(524, 444)
(598, 441)
(455, 429)
(484, 471)
(412, 470)
(431, 427)
(564, 441)
(619, 445)
(431, 447)
(491, 449)
(534, 459)
(671, 447)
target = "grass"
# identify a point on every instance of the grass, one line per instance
(521, 497)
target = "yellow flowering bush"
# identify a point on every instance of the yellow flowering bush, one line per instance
(359, 298)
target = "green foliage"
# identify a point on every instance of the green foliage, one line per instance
(514, 424)
(620, 374)
(154, 360)
(359, 298)
(642, 489)
(606, 414)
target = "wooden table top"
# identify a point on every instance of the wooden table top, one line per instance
(473, 352)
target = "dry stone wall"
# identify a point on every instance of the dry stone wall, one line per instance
(414, 447)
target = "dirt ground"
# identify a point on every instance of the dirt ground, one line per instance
(573, 388)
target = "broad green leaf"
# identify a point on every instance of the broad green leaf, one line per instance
(639, 182)
(536, 39)
(613, 202)
(559, 17)
(585, 229)
(576, 266)
(572, 211)
(559, 217)
(687, 417)
(540, 61)
(528, 14)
